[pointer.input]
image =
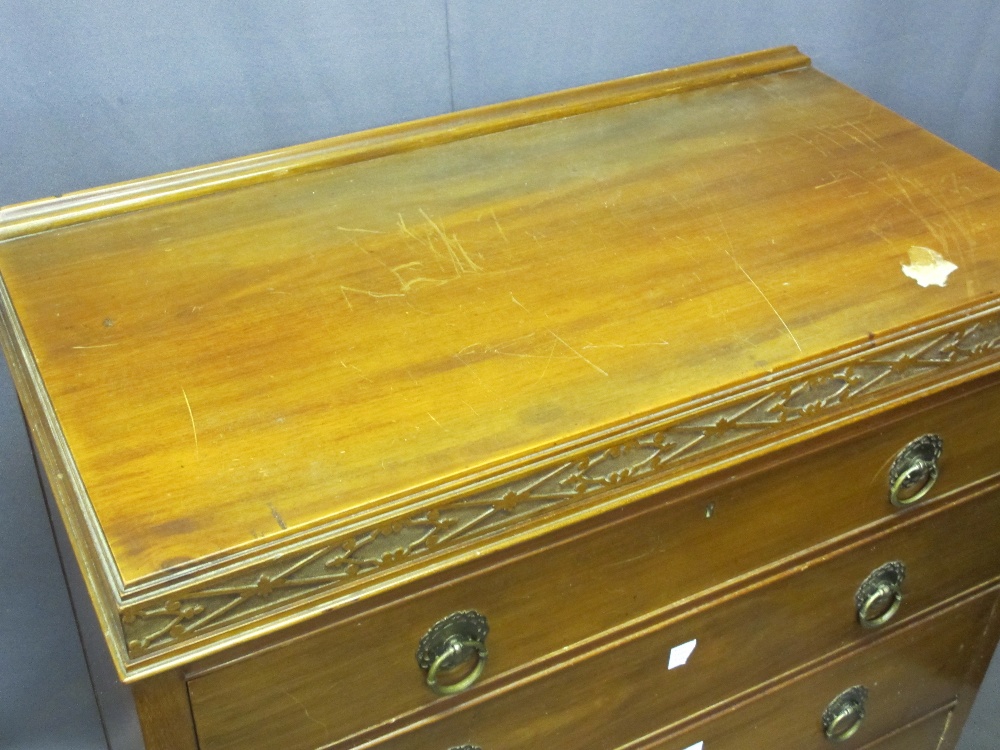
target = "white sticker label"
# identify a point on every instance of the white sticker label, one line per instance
(928, 267)
(678, 658)
(696, 746)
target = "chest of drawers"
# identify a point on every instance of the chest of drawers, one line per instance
(655, 414)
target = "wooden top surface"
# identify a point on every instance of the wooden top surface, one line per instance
(311, 350)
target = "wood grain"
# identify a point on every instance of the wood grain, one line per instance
(460, 319)
(649, 544)
(88, 205)
(743, 640)
(165, 712)
(909, 674)
(298, 354)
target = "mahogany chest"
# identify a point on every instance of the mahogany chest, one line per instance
(659, 413)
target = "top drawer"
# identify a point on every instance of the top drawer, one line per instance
(361, 672)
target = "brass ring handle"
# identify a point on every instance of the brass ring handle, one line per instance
(450, 643)
(914, 466)
(884, 590)
(466, 747)
(845, 714)
(882, 584)
(455, 649)
(911, 475)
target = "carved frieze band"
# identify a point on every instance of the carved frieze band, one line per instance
(150, 628)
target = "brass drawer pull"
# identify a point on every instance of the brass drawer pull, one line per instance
(880, 595)
(459, 639)
(466, 747)
(844, 714)
(914, 471)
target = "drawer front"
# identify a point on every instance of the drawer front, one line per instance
(631, 688)
(628, 690)
(574, 588)
(925, 734)
(909, 674)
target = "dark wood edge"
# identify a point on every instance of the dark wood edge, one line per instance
(978, 665)
(115, 703)
(84, 532)
(164, 709)
(48, 213)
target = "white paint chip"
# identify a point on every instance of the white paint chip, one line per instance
(928, 267)
(680, 654)
(696, 746)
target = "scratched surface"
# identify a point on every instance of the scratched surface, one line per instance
(260, 360)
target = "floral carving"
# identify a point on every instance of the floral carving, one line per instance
(591, 475)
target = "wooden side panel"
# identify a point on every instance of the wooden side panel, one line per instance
(165, 712)
(114, 699)
(154, 714)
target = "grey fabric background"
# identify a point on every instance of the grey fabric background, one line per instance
(107, 90)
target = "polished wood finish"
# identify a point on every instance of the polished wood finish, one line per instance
(909, 673)
(766, 629)
(429, 350)
(88, 205)
(607, 365)
(165, 713)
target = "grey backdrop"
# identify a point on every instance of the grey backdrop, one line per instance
(106, 90)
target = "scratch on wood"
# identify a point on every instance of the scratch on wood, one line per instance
(864, 134)
(277, 517)
(377, 295)
(944, 732)
(842, 129)
(729, 252)
(624, 346)
(94, 346)
(463, 263)
(325, 728)
(548, 362)
(194, 427)
(839, 178)
(357, 370)
(499, 228)
(802, 138)
(769, 304)
(364, 231)
(948, 218)
(578, 354)
(407, 284)
(514, 300)
(435, 420)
